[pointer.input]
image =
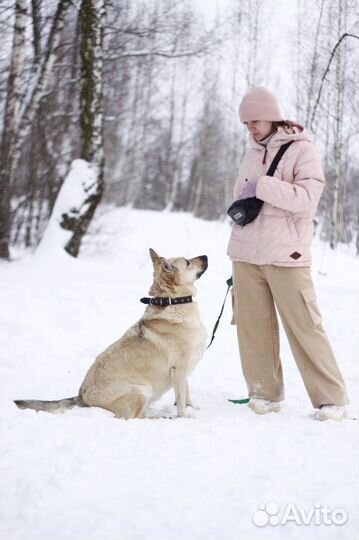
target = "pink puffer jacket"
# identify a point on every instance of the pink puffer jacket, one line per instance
(283, 231)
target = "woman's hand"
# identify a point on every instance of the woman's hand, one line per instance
(248, 190)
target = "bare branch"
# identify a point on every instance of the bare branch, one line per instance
(166, 54)
(345, 35)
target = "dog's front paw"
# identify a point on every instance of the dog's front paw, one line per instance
(193, 406)
(190, 404)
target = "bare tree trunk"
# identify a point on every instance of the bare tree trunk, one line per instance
(143, 196)
(36, 29)
(298, 58)
(92, 20)
(130, 182)
(196, 180)
(252, 58)
(174, 188)
(169, 165)
(18, 121)
(313, 67)
(335, 223)
(11, 111)
(232, 149)
(326, 199)
(32, 203)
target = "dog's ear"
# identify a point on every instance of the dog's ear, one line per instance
(154, 256)
(167, 266)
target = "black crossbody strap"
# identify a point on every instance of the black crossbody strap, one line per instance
(277, 158)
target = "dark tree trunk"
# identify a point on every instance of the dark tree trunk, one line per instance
(92, 20)
(12, 107)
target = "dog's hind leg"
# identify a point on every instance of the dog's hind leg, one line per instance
(130, 406)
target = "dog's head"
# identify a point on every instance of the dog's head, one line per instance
(176, 276)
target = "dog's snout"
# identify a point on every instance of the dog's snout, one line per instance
(204, 264)
(204, 261)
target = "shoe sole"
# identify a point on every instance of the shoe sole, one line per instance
(335, 418)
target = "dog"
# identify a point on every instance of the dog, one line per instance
(157, 353)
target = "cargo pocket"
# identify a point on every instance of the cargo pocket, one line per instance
(310, 300)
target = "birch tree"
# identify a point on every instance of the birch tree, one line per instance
(338, 133)
(12, 107)
(19, 114)
(92, 21)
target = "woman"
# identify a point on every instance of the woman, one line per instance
(271, 263)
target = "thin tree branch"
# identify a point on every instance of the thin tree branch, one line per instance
(133, 54)
(345, 35)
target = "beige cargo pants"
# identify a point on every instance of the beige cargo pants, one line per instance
(256, 292)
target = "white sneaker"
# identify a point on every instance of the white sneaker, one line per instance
(263, 406)
(331, 412)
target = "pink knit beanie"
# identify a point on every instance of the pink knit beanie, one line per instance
(259, 104)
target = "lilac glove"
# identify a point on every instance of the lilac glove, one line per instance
(248, 190)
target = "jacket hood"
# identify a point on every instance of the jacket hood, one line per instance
(296, 132)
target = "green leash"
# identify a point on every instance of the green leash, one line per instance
(229, 285)
(239, 401)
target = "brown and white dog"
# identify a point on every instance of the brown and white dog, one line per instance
(158, 352)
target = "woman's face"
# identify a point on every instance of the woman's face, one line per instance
(259, 128)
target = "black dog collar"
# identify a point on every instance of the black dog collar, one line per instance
(164, 301)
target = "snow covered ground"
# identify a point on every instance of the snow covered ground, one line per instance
(85, 475)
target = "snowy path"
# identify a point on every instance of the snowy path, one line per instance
(84, 475)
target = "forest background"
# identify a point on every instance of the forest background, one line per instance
(148, 91)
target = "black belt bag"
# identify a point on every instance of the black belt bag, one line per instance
(243, 211)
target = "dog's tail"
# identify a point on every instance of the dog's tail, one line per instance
(58, 406)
